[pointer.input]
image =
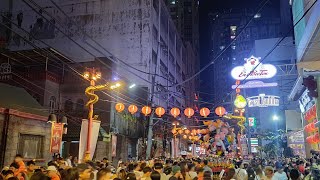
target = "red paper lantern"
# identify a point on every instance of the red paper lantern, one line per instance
(146, 110)
(160, 111)
(189, 112)
(204, 112)
(175, 112)
(120, 107)
(220, 111)
(316, 138)
(132, 109)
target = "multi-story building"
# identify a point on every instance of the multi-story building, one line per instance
(230, 29)
(306, 91)
(127, 39)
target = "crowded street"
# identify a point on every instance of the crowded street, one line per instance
(159, 90)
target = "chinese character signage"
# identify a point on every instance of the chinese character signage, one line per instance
(254, 84)
(253, 69)
(263, 101)
(56, 137)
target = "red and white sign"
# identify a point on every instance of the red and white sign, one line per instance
(56, 137)
(253, 69)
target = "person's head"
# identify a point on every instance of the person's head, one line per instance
(259, 171)
(14, 166)
(131, 176)
(231, 172)
(142, 166)
(205, 162)
(268, 171)
(13, 178)
(85, 171)
(200, 171)
(207, 174)
(147, 171)
(167, 170)
(294, 174)
(52, 171)
(158, 167)
(104, 174)
(176, 170)
(130, 167)
(7, 174)
(136, 166)
(31, 165)
(105, 160)
(122, 174)
(39, 176)
(155, 175)
(18, 158)
(191, 167)
(69, 174)
(251, 174)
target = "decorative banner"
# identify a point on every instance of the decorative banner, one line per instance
(252, 121)
(305, 101)
(296, 142)
(83, 138)
(253, 69)
(114, 145)
(56, 137)
(263, 101)
(254, 84)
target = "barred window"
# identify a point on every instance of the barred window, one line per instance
(31, 146)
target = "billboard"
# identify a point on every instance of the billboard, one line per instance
(253, 69)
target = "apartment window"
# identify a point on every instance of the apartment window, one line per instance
(31, 146)
(52, 104)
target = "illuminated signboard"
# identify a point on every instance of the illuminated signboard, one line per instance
(254, 84)
(254, 70)
(263, 101)
(252, 121)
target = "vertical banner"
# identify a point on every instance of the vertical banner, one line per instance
(173, 148)
(56, 137)
(114, 145)
(193, 150)
(83, 138)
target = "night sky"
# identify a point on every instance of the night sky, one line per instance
(207, 6)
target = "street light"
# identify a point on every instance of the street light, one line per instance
(132, 86)
(275, 118)
(93, 75)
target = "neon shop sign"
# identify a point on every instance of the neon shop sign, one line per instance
(263, 101)
(253, 69)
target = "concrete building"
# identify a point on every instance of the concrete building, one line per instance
(138, 38)
(306, 32)
(24, 128)
(226, 25)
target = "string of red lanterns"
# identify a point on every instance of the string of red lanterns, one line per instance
(160, 111)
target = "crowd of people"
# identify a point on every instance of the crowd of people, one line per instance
(169, 169)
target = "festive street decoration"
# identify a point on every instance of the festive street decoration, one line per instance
(220, 111)
(120, 107)
(132, 109)
(175, 112)
(189, 112)
(311, 113)
(160, 111)
(146, 110)
(240, 102)
(204, 112)
(310, 127)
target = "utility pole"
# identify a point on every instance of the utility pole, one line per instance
(150, 132)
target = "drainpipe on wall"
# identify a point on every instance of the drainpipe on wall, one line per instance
(4, 136)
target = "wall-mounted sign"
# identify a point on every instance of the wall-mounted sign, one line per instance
(263, 101)
(305, 101)
(254, 70)
(254, 84)
(252, 121)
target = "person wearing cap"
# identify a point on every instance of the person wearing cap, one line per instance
(280, 174)
(53, 173)
(176, 173)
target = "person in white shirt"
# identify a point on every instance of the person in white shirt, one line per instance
(280, 174)
(241, 173)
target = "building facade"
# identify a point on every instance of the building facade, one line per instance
(235, 37)
(129, 40)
